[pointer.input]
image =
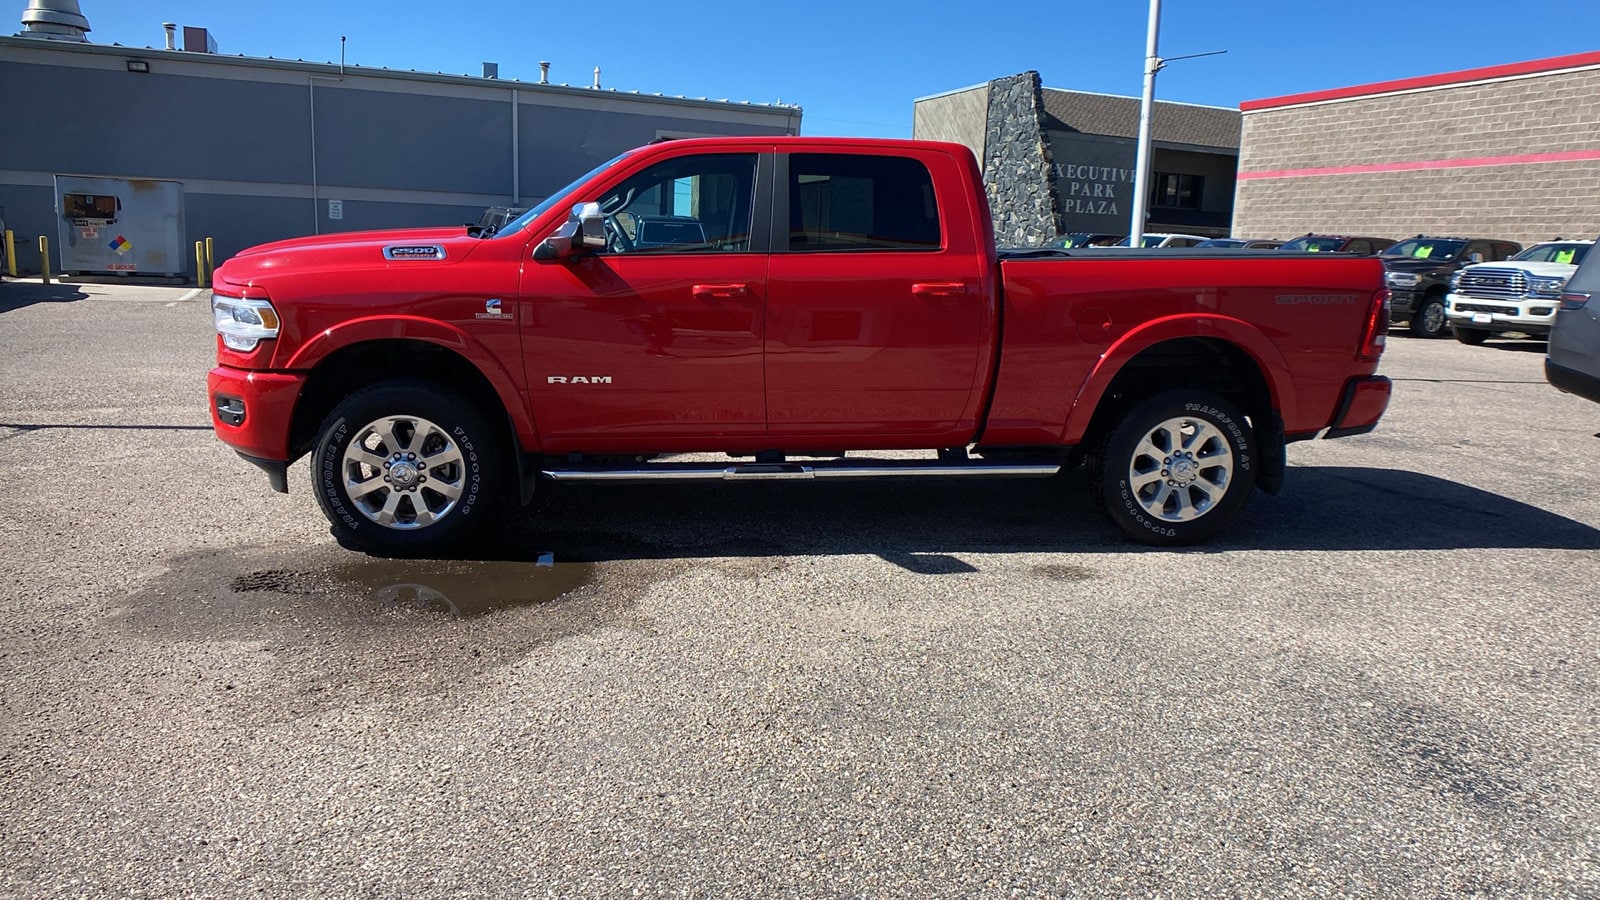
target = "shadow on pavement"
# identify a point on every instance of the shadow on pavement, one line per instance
(919, 524)
(16, 295)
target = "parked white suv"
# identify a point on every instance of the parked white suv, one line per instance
(1163, 239)
(1520, 294)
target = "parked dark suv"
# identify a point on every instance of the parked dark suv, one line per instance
(1417, 272)
(1337, 243)
(1572, 360)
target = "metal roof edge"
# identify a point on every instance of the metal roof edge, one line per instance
(334, 70)
(1547, 66)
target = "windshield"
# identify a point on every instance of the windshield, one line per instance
(1309, 244)
(1567, 254)
(1148, 240)
(551, 201)
(1425, 248)
(1230, 243)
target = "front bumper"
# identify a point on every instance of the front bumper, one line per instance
(1531, 316)
(1402, 303)
(252, 412)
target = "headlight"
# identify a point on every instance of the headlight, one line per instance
(1546, 285)
(1455, 281)
(1402, 279)
(243, 321)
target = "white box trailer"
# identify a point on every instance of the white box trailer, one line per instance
(120, 225)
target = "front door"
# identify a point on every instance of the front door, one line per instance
(655, 342)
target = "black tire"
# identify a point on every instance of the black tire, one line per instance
(1428, 320)
(1184, 499)
(1472, 336)
(412, 431)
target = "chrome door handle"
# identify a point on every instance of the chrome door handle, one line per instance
(720, 290)
(939, 289)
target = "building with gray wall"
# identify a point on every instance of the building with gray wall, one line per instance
(1084, 162)
(267, 149)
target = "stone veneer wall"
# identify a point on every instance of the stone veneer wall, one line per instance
(1470, 159)
(1017, 165)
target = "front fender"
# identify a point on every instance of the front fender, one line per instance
(431, 331)
(1233, 331)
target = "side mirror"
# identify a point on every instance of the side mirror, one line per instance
(1476, 257)
(584, 229)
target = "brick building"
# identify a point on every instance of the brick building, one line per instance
(1508, 151)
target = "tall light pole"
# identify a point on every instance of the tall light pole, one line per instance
(1153, 63)
(1147, 104)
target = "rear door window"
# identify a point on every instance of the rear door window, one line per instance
(856, 202)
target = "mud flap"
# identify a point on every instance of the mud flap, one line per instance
(1272, 446)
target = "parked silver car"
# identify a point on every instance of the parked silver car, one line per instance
(1572, 361)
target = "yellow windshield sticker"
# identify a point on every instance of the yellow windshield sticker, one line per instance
(1564, 256)
(1423, 251)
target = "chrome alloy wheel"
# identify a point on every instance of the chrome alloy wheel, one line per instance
(403, 472)
(1433, 318)
(1181, 469)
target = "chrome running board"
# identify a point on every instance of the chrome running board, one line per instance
(787, 471)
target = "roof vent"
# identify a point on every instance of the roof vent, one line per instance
(54, 20)
(491, 70)
(544, 73)
(198, 40)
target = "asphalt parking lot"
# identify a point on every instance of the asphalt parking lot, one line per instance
(1381, 682)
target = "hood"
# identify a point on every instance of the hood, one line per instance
(1412, 264)
(1545, 269)
(439, 246)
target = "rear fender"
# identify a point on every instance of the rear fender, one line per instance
(1223, 328)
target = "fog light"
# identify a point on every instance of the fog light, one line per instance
(230, 410)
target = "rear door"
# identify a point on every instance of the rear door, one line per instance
(877, 314)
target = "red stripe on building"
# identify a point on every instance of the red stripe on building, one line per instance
(1509, 70)
(1521, 159)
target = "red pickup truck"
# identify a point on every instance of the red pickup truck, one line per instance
(791, 304)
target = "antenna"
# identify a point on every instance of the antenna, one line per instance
(341, 56)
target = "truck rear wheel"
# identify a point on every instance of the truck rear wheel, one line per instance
(1176, 469)
(404, 468)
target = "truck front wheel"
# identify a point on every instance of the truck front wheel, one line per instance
(1177, 468)
(1470, 335)
(404, 468)
(1429, 320)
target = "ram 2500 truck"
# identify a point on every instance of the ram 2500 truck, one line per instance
(791, 305)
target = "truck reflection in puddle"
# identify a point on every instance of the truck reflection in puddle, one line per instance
(463, 590)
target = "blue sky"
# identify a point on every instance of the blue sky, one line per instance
(856, 67)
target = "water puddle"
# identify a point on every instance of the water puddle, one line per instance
(456, 589)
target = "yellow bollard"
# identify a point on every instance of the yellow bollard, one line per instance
(44, 259)
(211, 267)
(11, 254)
(200, 263)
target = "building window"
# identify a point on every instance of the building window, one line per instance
(1177, 191)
